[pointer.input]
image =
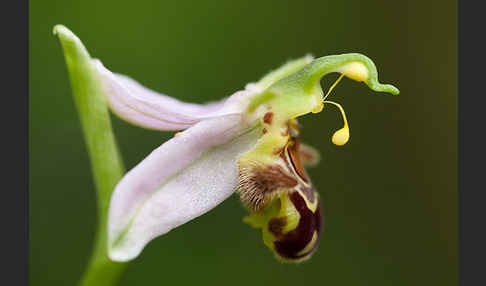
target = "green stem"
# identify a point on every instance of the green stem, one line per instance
(107, 166)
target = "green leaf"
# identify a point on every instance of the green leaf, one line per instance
(107, 166)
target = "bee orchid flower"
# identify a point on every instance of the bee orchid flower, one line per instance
(247, 143)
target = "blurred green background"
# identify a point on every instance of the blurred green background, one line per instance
(390, 194)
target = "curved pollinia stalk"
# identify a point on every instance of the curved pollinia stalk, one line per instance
(246, 143)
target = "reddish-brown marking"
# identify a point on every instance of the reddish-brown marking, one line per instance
(294, 241)
(273, 177)
(267, 118)
(276, 225)
(277, 151)
(293, 150)
(259, 188)
(264, 130)
(283, 156)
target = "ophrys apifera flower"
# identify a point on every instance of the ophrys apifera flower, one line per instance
(247, 143)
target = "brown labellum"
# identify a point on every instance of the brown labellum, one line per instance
(258, 185)
(300, 243)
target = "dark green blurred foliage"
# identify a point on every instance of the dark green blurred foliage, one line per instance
(390, 194)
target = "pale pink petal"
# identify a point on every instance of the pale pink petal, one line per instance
(146, 108)
(182, 179)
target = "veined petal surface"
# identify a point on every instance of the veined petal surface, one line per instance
(182, 179)
(146, 108)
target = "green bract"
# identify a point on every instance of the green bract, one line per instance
(107, 166)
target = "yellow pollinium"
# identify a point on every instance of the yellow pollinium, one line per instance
(341, 136)
(354, 70)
